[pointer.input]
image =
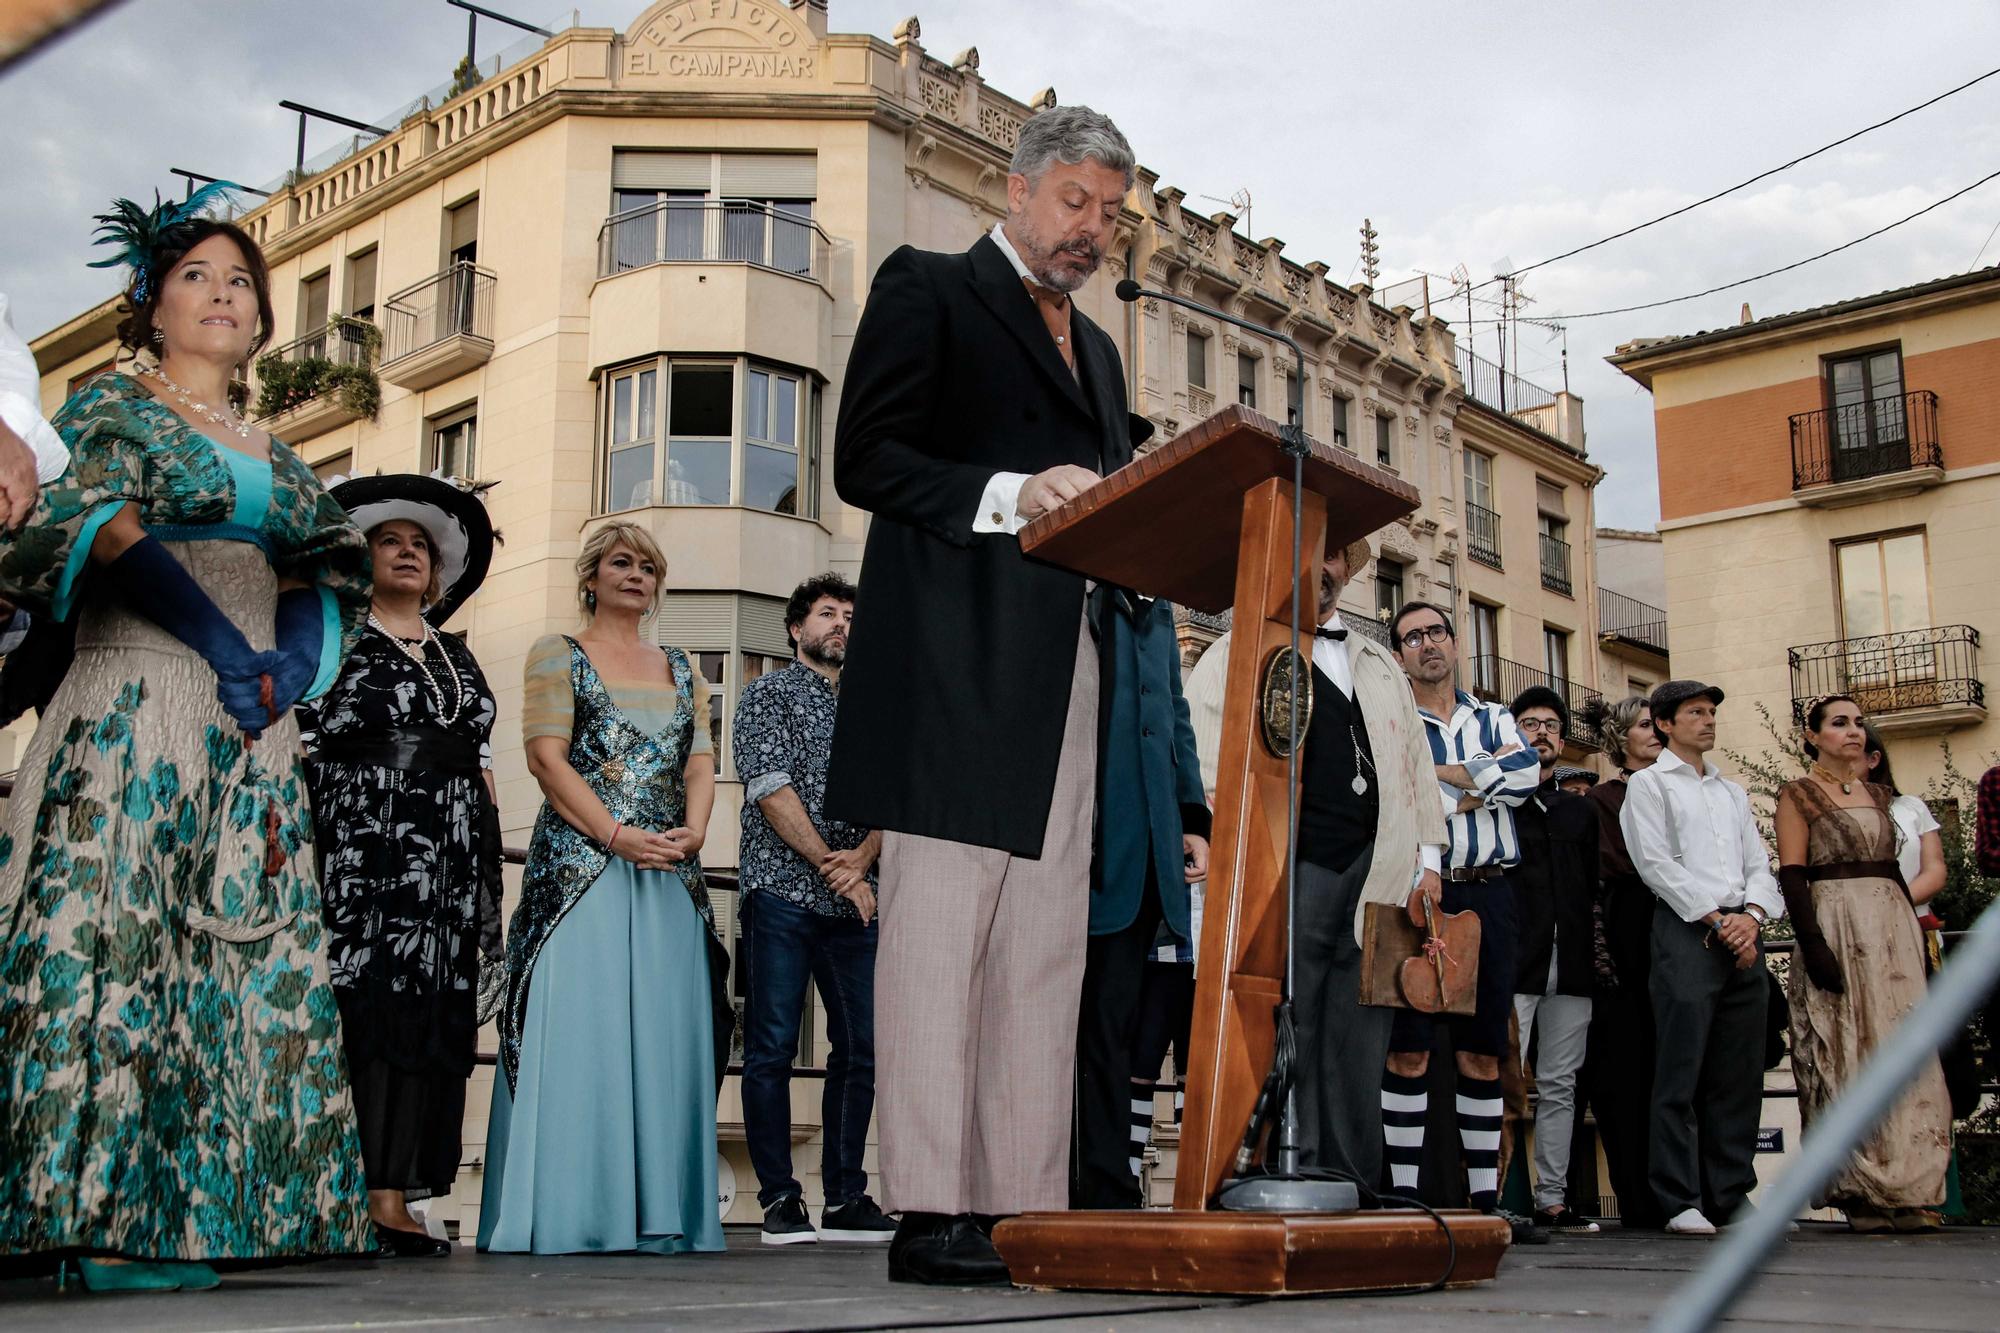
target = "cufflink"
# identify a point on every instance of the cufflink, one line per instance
(997, 518)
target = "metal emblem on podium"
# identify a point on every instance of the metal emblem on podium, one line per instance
(1285, 672)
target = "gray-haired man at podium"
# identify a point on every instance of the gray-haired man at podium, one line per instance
(978, 397)
(1370, 831)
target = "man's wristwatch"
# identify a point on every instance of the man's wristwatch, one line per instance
(1756, 913)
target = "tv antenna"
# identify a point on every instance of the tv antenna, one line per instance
(1371, 253)
(1239, 206)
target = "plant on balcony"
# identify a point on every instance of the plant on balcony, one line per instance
(465, 76)
(284, 384)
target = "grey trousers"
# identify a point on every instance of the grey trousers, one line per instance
(1563, 1025)
(1708, 1071)
(1343, 1044)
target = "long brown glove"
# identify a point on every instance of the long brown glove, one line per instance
(1822, 966)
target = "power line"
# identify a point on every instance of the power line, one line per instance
(1982, 248)
(1762, 175)
(1801, 263)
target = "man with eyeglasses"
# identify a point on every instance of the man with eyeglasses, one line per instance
(1553, 894)
(1484, 773)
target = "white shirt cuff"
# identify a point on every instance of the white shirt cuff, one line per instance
(25, 420)
(1433, 856)
(998, 510)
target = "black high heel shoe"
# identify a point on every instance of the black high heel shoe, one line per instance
(401, 1244)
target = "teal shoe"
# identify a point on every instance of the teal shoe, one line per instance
(194, 1277)
(99, 1276)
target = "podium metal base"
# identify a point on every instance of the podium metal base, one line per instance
(1287, 1194)
(1247, 1254)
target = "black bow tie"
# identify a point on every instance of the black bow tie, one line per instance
(1337, 635)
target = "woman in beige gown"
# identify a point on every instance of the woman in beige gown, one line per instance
(1858, 972)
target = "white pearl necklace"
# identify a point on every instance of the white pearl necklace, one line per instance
(418, 654)
(227, 420)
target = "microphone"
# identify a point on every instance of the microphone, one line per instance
(1129, 290)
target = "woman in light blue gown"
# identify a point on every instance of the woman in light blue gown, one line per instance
(602, 1134)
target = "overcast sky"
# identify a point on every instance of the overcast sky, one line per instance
(1470, 132)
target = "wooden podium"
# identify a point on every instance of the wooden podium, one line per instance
(1205, 521)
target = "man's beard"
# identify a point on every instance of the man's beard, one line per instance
(827, 649)
(1329, 595)
(1039, 255)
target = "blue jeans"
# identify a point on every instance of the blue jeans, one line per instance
(783, 945)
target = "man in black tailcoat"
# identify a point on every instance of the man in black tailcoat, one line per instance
(977, 398)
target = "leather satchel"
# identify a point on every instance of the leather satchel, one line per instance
(1433, 970)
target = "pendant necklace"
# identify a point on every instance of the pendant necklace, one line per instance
(229, 421)
(1846, 786)
(417, 650)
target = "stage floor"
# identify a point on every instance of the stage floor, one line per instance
(1823, 1277)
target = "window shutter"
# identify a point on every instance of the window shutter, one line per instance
(697, 622)
(762, 626)
(1549, 499)
(361, 281)
(770, 176)
(634, 170)
(464, 225)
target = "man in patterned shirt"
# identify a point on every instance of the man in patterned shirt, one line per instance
(808, 912)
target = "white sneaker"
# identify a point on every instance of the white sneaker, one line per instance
(1690, 1222)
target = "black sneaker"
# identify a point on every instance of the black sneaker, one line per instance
(856, 1222)
(786, 1223)
(1524, 1228)
(1564, 1222)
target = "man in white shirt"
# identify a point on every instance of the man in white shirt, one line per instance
(1695, 843)
(31, 453)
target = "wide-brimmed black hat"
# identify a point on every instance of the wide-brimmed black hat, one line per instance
(451, 512)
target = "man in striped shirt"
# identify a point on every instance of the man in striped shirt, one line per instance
(1483, 772)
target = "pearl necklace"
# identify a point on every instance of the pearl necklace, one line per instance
(418, 654)
(227, 420)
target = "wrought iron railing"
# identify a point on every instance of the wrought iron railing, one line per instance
(1500, 389)
(1368, 627)
(1500, 680)
(1482, 534)
(713, 231)
(458, 300)
(1638, 623)
(1872, 438)
(345, 341)
(1891, 673)
(1555, 564)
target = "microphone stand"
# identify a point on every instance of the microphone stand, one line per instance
(1287, 1189)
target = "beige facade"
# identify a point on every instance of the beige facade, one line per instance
(622, 275)
(1828, 481)
(1632, 642)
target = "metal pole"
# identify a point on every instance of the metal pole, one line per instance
(472, 38)
(299, 164)
(1961, 986)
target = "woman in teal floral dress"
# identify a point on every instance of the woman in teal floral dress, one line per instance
(171, 1083)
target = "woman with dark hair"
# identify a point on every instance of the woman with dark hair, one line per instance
(1920, 843)
(402, 786)
(171, 1082)
(1617, 1080)
(1857, 972)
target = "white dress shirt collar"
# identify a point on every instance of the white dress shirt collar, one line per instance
(999, 236)
(1335, 657)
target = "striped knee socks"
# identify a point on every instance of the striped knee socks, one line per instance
(1404, 1104)
(1479, 1112)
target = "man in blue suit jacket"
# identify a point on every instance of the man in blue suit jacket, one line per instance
(1151, 844)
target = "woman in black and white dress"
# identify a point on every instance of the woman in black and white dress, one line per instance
(409, 838)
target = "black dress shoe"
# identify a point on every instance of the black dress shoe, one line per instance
(944, 1251)
(410, 1244)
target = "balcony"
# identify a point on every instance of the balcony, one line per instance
(1502, 390)
(1498, 680)
(1913, 683)
(1629, 622)
(700, 231)
(1555, 564)
(439, 329)
(323, 380)
(1482, 534)
(1876, 449)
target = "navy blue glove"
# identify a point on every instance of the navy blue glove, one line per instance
(300, 633)
(155, 585)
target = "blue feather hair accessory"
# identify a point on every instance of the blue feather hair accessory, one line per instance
(138, 234)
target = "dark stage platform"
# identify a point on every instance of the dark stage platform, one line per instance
(1822, 1278)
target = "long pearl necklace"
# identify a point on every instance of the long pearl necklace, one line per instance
(227, 420)
(419, 653)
